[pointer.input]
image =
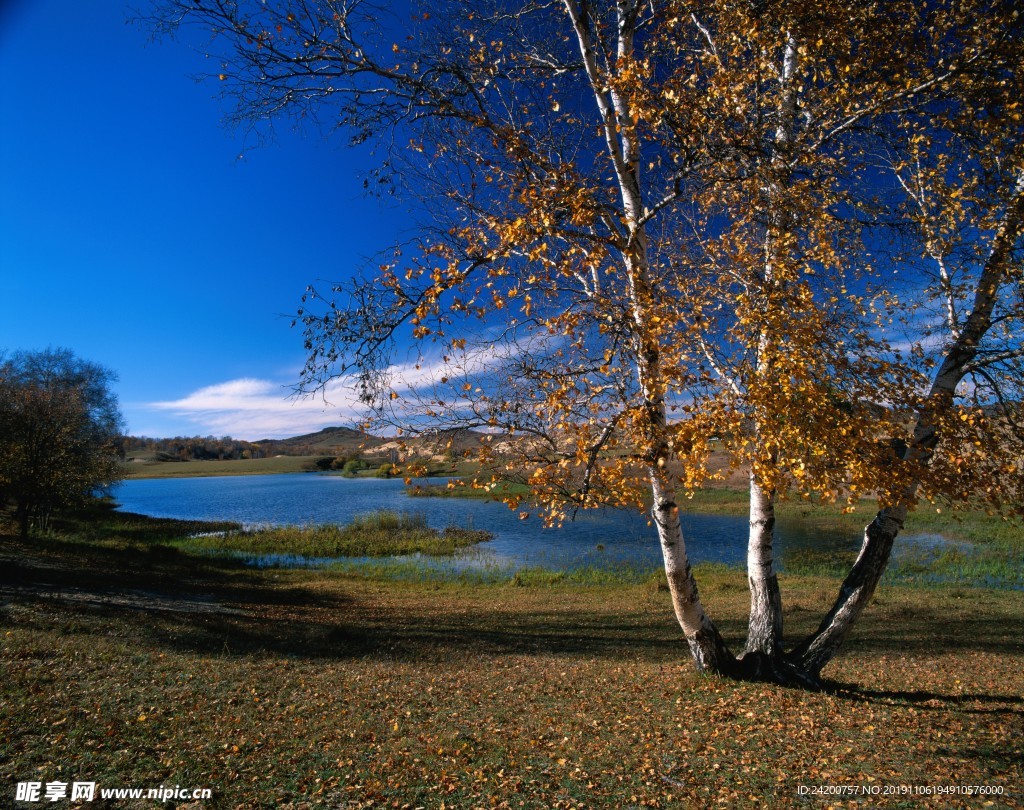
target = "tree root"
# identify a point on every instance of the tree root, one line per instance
(760, 667)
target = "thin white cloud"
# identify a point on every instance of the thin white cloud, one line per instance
(259, 409)
(250, 408)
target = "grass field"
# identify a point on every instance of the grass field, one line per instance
(200, 469)
(129, 663)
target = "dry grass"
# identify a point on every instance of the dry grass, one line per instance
(312, 689)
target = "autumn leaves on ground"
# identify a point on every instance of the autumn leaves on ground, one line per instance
(129, 664)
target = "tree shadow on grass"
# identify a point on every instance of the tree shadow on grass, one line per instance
(928, 628)
(927, 700)
(211, 606)
(360, 630)
(329, 618)
(357, 628)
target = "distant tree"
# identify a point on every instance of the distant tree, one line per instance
(59, 433)
(354, 465)
(195, 448)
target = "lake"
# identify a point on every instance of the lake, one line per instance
(596, 538)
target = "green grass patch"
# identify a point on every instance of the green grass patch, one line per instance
(463, 489)
(381, 534)
(587, 576)
(202, 469)
(101, 524)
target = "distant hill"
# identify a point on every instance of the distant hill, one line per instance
(342, 441)
(334, 441)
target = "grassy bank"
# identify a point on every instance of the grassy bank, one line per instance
(131, 664)
(459, 489)
(203, 469)
(151, 467)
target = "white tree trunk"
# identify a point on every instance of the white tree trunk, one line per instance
(764, 631)
(854, 594)
(706, 645)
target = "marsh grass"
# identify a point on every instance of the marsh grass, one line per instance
(965, 549)
(379, 534)
(937, 547)
(101, 524)
(976, 548)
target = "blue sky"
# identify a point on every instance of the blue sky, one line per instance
(132, 231)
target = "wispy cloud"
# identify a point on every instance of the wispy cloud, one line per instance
(251, 408)
(259, 409)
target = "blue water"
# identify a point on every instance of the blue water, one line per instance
(599, 538)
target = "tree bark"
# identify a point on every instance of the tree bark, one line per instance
(854, 594)
(710, 654)
(764, 631)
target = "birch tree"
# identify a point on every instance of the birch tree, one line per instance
(648, 224)
(959, 164)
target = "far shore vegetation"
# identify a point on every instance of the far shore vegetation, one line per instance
(356, 466)
(202, 469)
